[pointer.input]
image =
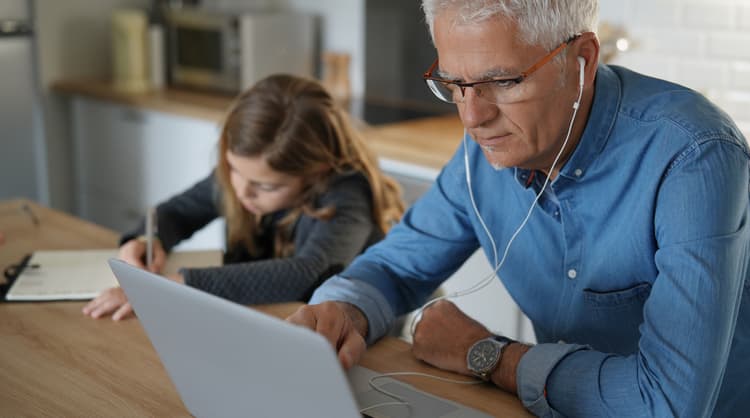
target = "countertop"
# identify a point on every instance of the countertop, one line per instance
(424, 144)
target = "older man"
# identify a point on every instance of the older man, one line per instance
(626, 202)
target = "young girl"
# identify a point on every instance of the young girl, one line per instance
(300, 193)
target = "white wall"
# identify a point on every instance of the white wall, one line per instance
(703, 44)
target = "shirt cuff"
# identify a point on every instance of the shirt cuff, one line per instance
(364, 296)
(534, 369)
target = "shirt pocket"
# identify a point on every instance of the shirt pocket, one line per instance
(616, 316)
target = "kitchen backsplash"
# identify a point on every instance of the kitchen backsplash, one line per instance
(703, 44)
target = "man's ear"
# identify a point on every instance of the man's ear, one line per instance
(588, 49)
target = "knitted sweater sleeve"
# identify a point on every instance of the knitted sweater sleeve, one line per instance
(183, 214)
(322, 248)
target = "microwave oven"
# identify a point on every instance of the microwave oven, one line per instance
(230, 52)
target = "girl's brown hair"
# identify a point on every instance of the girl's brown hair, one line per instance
(297, 127)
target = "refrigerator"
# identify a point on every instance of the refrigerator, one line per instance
(22, 150)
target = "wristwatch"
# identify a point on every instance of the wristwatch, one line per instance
(484, 356)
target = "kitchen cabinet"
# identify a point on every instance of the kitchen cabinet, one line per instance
(127, 159)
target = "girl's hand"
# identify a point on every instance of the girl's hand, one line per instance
(134, 252)
(176, 277)
(110, 300)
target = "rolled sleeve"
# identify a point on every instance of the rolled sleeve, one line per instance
(362, 295)
(534, 369)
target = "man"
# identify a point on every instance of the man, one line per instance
(631, 265)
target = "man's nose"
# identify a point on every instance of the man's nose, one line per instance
(476, 111)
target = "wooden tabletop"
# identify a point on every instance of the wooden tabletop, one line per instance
(27, 227)
(54, 361)
(427, 142)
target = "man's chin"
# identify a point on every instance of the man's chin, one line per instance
(497, 166)
(493, 159)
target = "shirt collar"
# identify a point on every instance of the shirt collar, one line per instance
(601, 119)
(607, 96)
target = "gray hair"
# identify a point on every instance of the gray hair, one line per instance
(540, 22)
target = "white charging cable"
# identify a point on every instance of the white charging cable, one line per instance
(401, 401)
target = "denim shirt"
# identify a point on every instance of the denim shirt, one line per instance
(631, 268)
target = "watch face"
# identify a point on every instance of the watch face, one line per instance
(483, 356)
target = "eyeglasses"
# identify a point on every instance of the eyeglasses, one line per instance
(501, 90)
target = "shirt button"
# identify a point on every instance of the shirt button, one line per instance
(578, 172)
(572, 273)
(557, 213)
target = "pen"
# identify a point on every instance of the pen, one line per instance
(150, 231)
(26, 209)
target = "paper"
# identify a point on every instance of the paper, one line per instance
(83, 274)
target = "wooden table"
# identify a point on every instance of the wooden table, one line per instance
(56, 362)
(27, 227)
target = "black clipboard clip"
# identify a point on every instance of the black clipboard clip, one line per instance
(12, 272)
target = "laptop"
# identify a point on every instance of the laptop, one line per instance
(227, 360)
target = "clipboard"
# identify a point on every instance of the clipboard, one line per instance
(81, 274)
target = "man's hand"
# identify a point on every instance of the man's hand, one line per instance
(444, 335)
(342, 324)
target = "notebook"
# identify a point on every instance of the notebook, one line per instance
(83, 274)
(227, 360)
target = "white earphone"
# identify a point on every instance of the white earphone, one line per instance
(581, 67)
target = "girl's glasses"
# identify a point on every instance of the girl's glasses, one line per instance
(501, 90)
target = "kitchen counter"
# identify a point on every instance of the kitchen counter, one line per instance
(211, 107)
(420, 145)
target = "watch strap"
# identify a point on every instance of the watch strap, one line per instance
(501, 339)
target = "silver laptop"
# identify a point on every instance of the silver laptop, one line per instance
(230, 361)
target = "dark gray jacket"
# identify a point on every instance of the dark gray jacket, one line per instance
(321, 248)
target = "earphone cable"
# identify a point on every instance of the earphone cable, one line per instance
(488, 279)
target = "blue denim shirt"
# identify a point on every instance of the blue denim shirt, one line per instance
(632, 267)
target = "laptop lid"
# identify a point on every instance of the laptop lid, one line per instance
(227, 360)
(222, 361)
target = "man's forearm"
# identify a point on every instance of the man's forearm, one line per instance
(505, 374)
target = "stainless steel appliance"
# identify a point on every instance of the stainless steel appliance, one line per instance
(22, 155)
(229, 52)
